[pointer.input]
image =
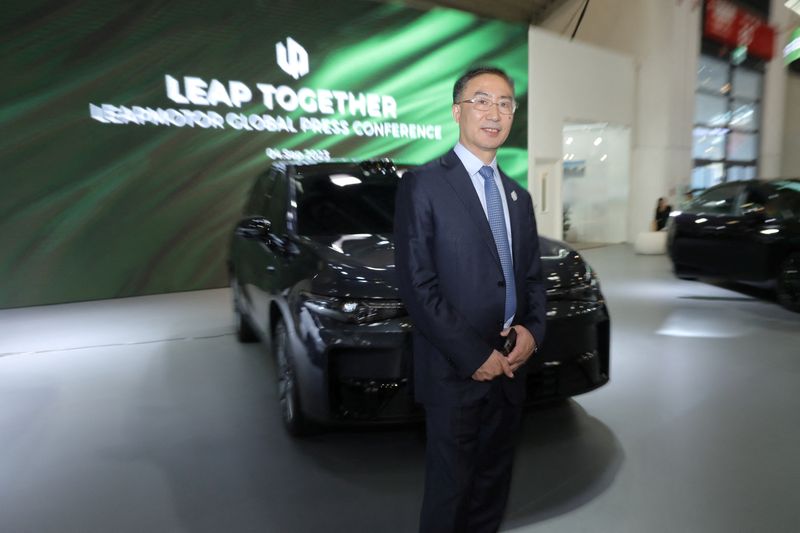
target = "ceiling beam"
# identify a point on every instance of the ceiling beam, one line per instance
(520, 11)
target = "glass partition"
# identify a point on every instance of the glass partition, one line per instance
(596, 163)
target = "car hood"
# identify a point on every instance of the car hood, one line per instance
(355, 266)
(362, 266)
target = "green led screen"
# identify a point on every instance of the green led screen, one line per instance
(791, 51)
(131, 132)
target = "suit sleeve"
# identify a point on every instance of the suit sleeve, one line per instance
(418, 279)
(535, 316)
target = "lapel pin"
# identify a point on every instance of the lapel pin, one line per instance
(514, 195)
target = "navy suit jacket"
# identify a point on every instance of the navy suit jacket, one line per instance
(452, 283)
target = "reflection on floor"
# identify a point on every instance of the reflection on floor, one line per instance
(144, 414)
(580, 246)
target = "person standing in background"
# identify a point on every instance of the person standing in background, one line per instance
(663, 210)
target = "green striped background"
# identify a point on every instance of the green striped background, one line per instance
(91, 210)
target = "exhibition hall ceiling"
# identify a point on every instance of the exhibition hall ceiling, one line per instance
(528, 11)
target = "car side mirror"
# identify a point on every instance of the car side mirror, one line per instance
(253, 228)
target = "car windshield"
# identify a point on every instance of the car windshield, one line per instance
(788, 185)
(345, 202)
(785, 203)
(719, 201)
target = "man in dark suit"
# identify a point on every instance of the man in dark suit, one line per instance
(468, 266)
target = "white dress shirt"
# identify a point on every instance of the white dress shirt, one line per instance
(473, 166)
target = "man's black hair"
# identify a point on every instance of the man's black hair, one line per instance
(461, 82)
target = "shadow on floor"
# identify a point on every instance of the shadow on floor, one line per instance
(565, 458)
(219, 460)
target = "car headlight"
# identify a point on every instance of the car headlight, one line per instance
(355, 311)
(585, 287)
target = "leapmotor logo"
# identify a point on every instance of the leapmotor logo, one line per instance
(292, 58)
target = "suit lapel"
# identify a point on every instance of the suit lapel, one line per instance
(456, 175)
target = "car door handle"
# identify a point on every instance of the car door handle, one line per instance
(270, 269)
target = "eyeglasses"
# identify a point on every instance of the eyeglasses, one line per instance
(506, 106)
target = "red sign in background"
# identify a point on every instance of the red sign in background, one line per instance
(735, 26)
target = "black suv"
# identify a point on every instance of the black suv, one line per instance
(746, 231)
(312, 275)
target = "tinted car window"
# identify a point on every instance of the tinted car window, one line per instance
(256, 197)
(778, 200)
(345, 203)
(255, 202)
(758, 198)
(275, 202)
(718, 201)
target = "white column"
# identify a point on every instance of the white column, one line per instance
(791, 128)
(774, 97)
(662, 146)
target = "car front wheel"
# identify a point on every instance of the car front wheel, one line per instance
(788, 285)
(294, 421)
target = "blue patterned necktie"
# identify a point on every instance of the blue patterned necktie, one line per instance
(497, 221)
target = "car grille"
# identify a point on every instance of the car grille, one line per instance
(370, 384)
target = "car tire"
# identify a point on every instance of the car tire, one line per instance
(244, 330)
(788, 283)
(291, 412)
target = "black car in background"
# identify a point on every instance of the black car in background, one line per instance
(312, 275)
(745, 231)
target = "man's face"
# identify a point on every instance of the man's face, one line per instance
(483, 132)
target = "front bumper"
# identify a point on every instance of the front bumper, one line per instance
(352, 373)
(575, 357)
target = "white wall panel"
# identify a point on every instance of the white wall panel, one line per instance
(569, 82)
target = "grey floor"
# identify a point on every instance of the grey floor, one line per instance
(145, 414)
